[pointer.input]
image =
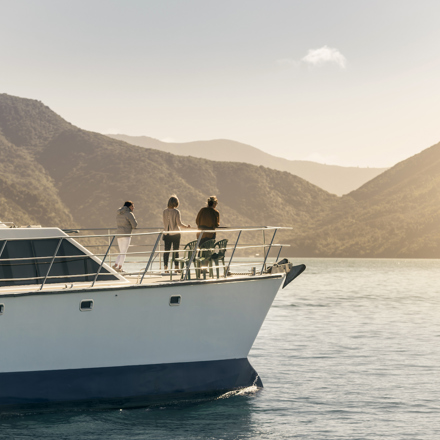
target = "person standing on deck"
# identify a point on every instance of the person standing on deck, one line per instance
(208, 218)
(172, 222)
(126, 222)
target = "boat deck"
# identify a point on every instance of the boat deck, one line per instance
(129, 281)
(49, 260)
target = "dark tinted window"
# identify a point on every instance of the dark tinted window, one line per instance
(81, 264)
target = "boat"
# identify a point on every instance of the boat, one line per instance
(75, 333)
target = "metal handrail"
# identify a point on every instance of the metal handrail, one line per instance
(127, 253)
(51, 263)
(151, 258)
(152, 254)
(102, 262)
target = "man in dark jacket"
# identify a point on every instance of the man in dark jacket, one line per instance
(208, 218)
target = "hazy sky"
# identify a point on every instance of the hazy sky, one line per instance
(344, 82)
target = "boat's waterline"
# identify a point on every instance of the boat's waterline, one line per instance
(124, 387)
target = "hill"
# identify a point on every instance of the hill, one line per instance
(93, 174)
(27, 192)
(395, 215)
(56, 174)
(334, 179)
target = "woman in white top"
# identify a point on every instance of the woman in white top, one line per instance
(126, 222)
(172, 222)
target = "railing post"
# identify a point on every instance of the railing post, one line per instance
(265, 258)
(102, 261)
(151, 257)
(264, 244)
(193, 255)
(232, 255)
(160, 257)
(110, 257)
(3, 247)
(51, 263)
(279, 252)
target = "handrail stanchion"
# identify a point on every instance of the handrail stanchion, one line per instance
(193, 255)
(265, 258)
(264, 243)
(3, 247)
(102, 261)
(110, 256)
(151, 257)
(160, 257)
(232, 255)
(51, 263)
(279, 252)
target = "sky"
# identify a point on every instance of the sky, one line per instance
(346, 82)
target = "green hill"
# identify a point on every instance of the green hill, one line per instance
(396, 214)
(27, 192)
(53, 173)
(93, 175)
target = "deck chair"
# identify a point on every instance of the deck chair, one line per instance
(204, 258)
(219, 255)
(183, 261)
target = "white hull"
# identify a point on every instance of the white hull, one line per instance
(134, 325)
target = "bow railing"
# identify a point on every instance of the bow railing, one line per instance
(46, 260)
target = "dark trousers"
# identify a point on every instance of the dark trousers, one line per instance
(211, 237)
(174, 241)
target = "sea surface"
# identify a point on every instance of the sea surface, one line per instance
(350, 350)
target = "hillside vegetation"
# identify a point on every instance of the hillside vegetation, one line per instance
(93, 175)
(53, 173)
(27, 192)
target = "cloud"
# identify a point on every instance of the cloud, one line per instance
(318, 57)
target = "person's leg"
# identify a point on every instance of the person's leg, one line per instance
(203, 240)
(166, 255)
(176, 245)
(123, 244)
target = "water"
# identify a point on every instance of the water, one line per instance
(350, 350)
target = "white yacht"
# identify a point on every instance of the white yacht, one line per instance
(74, 332)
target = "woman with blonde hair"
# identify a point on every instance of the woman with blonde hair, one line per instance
(172, 222)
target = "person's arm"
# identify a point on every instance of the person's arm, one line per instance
(217, 215)
(164, 220)
(179, 220)
(198, 218)
(132, 220)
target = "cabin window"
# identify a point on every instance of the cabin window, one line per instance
(31, 259)
(2, 309)
(175, 300)
(86, 305)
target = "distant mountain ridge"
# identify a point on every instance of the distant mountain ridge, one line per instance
(55, 174)
(332, 178)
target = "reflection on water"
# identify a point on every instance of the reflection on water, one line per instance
(350, 350)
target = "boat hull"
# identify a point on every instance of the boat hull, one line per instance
(132, 346)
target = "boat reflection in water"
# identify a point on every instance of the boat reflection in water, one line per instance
(76, 333)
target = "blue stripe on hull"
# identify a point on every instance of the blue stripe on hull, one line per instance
(123, 386)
